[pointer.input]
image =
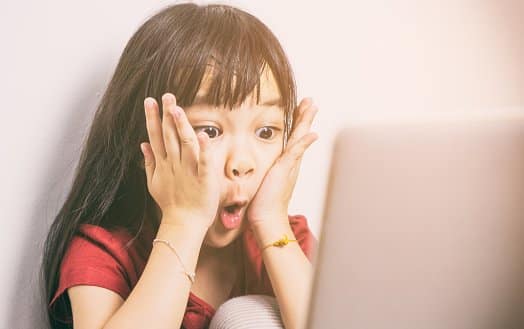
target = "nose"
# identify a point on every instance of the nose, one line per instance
(240, 162)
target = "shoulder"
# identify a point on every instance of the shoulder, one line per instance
(303, 234)
(98, 257)
(94, 246)
(95, 238)
(299, 224)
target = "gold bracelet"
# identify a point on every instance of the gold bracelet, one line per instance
(279, 243)
(190, 275)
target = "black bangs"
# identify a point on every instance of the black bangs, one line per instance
(227, 48)
(231, 57)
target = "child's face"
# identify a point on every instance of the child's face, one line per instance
(245, 142)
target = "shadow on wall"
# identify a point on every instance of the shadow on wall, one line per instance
(28, 306)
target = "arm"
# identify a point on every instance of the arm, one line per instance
(179, 177)
(289, 270)
(160, 294)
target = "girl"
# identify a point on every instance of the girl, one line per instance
(159, 234)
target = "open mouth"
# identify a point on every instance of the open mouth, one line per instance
(232, 208)
(231, 215)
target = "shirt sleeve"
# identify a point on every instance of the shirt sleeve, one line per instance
(95, 257)
(305, 238)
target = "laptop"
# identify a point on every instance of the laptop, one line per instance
(423, 227)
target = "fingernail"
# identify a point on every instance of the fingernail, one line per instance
(148, 102)
(167, 98)
(202, 135)
(308, 101)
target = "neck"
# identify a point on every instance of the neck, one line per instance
(224, 254)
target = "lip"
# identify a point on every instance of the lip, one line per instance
(231, 219)
(233, 205)
(240, 203)
(240, 206)
(235, 193)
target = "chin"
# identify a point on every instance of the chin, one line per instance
(219, 237)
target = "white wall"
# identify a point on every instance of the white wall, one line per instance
(357, 59)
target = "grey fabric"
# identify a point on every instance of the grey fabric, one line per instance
(251, 311)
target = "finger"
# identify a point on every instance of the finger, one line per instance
(303, 124)
(149, 161)
(290, 161)
(305, 102)
(189, 148)
(169, 128)
(298, 113)
(294, 154)
(204, 158)
(154, 129)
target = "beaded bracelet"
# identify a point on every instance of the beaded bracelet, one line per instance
(279, 243)
(190, 275)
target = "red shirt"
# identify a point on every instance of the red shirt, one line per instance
(99, 257)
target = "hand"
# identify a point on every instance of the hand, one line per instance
(272, 198)
(179, 166)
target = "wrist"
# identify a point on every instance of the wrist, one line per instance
(267, 232)
(185, 239)
(185, 220)
(188, 228)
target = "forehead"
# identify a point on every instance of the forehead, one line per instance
(268, 88)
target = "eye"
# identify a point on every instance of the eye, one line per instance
(266, 132)
(212, 132)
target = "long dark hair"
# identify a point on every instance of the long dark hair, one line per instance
(168, 53)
